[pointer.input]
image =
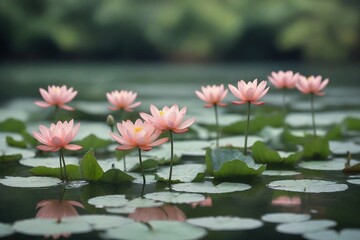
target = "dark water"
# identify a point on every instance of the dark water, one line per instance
(165, 85)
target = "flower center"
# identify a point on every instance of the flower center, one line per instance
(137, 129)
(161, 113)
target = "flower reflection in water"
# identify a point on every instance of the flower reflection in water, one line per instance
(286, 201)
(207, 202)
(165, 212)
(57, 209)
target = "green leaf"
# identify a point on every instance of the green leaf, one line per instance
(316, 147)
(262, 154)
(335, 133)
(14, 143)
(28, 138)
(10, 158)
(352, 123)
(182, 173)
(12, 125)
(92, 141)
(115, 176)
(148, 164)
(231, 164)
(352, 169)
(72, 172)
(90, 168)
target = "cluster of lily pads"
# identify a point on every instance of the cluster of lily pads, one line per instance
(228, 161)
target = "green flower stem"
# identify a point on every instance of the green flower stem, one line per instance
(61, 168)
(56, 114)
(284, 107)
(141, 166)
(172, 154)
(217, 126)
(313, 113)
(247, 128)
(63, 160)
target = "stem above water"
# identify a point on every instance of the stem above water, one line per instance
(141, 166)
(172, 154)
(217, 125)
(313, 113)
(247, 128)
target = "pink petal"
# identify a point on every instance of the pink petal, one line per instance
(73, 147)
(43, 104)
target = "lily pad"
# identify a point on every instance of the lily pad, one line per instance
(182, 173)
(338, 147)
(226, 223)
(231, 164)
(131, 206)
(208, 187)
(29, 182)
(102, 222)
(280, 173)
(264, 155)
(156, 230)
(337, 164)
(345, 234)
(109, 201)
(72, 172)
(12, 125)
(305, 226)
(307, 185)
(354, 181)
(172, 197)
(285, 217)
(5, 230)
(42, 226)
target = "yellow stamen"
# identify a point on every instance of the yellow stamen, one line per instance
(137, 129)
(161, 113)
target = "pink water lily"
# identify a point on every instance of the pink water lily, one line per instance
(142, 135)
(122, 100)
(57, 96)
(139, 134)
(312, 84)
(171, 119)
(57, 137)
(249, 92)
(283, 79)
(212, 95)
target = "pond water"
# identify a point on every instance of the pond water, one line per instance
(249, 208)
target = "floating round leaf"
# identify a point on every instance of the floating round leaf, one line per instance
(182, 173)
(208, 187)
(29, 182)
(338, 147)
(172, 197)
(226, 223)
(5, 230)
(42, 226)
(354, 181)
(156, 230)
(280, 173)
(305, 226)
(307, 185)
(52, 162)
(102, 222)
(345, 234)
(285, 217)
(108, 201)
(328, 165)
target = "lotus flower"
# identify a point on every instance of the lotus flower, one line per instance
(283, 79)
(57, 136)
(171, 119)
(165, 213)
(57, 209)
(212, 95)
(312, 85)
(249, 92)
(57, 96)
(122, 100)
(140, 134)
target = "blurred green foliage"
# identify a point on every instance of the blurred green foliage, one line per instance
(178, 30)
